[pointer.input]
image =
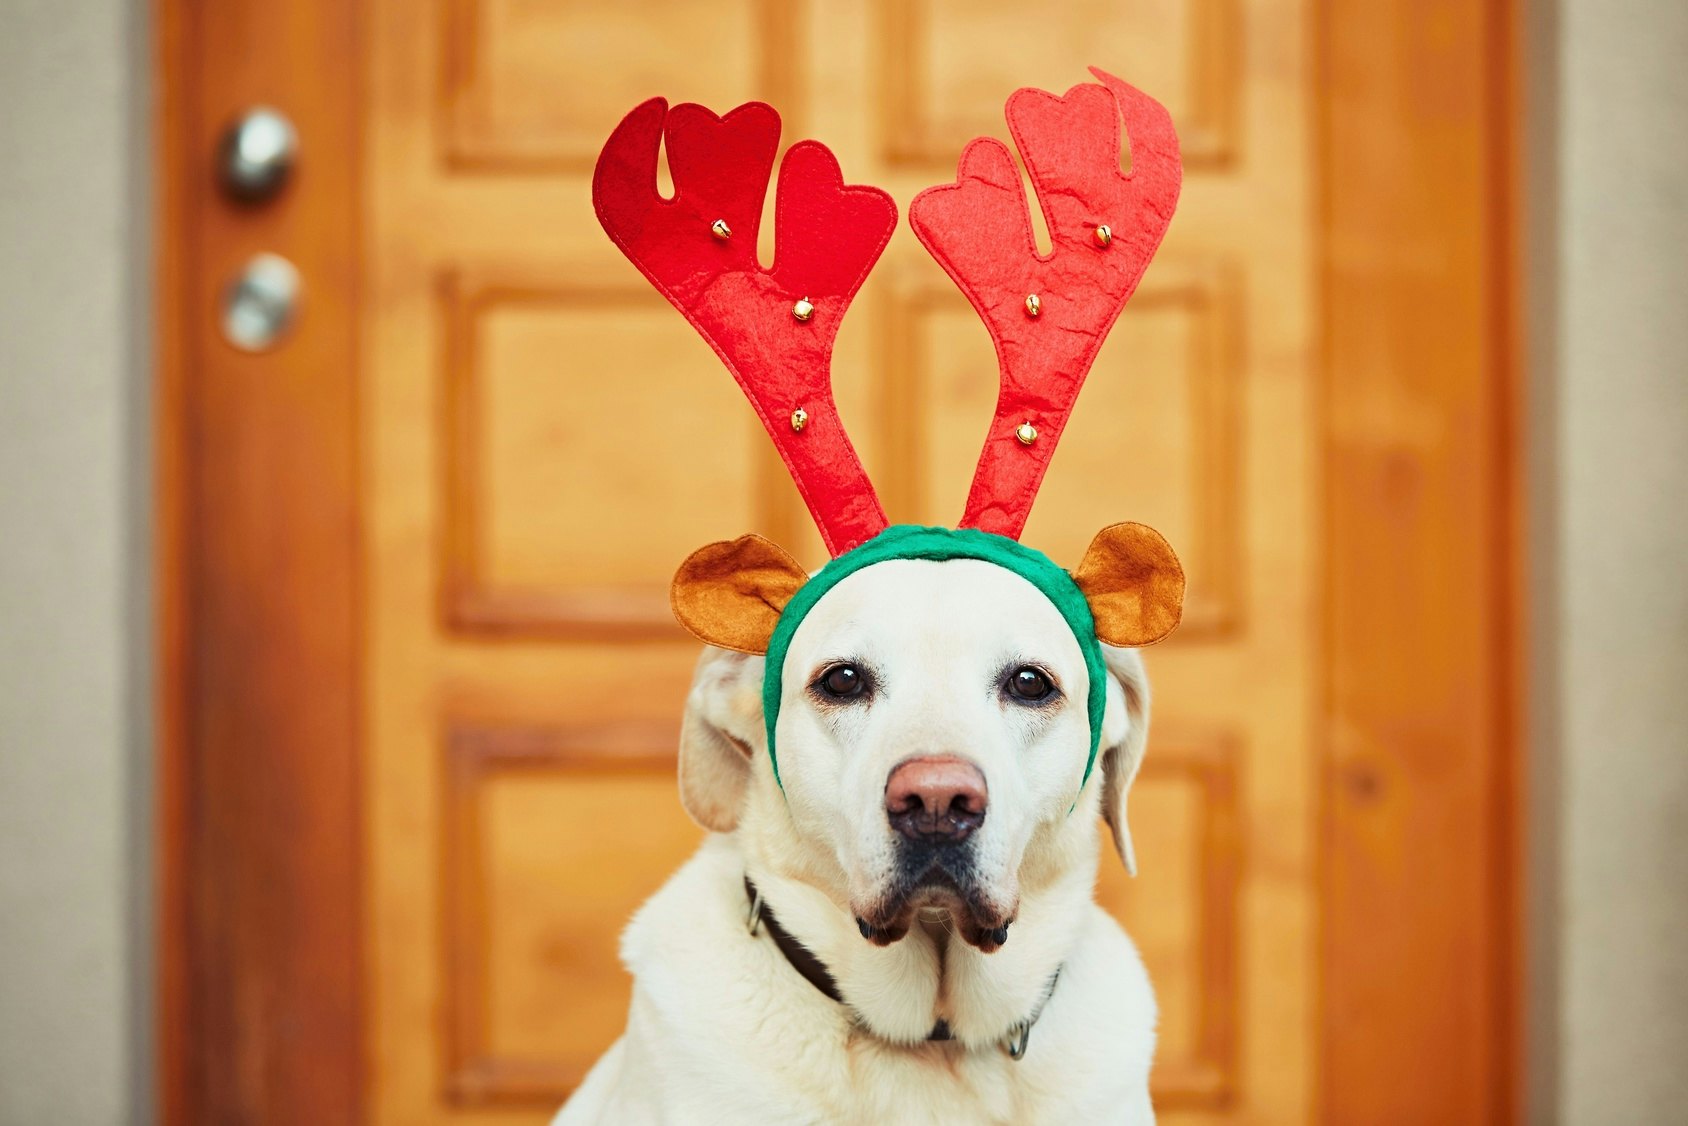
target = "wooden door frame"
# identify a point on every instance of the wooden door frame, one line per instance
(260, 842)
(1421, 948)
(262, 924)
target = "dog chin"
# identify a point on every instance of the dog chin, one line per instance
(936, 888)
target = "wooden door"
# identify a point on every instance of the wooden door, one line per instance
(545, 439)
(530, 439)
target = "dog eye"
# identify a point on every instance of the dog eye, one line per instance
(1029, 684)
(842, 681)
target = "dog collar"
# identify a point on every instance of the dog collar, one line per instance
(913, 541)
(814, 971)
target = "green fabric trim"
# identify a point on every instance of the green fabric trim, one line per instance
(912, 541)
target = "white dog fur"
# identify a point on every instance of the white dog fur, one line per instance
(722, 1029)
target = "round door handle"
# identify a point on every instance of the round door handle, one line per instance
(257, 154)
(260, 304)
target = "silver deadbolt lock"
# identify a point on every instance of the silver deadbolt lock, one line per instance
(257, 153)
(260, 304)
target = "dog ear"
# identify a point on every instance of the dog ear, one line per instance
(1125, 733)
(719, 732)
(1134, 584)
(730, 594)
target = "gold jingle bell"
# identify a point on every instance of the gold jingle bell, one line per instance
(1026, 432)
(720, 230)
(1104, 236)
(803, 310)
(1034, 305)
(799, 419)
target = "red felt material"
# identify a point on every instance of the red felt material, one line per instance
(979, 230)
(827, 236)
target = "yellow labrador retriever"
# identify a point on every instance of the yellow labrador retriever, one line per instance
(893, 919)
(907, 931)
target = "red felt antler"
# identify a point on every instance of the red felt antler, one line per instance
(773, 328)
(1049, 316)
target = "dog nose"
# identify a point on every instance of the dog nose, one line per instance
(939, 800)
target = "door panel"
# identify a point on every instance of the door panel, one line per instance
(1154, 439)
(528, 897)
(522, 84)
(550, 475)
(949, 61)
(545, 439)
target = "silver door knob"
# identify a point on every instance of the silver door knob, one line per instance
(257, 154)
(260, 304)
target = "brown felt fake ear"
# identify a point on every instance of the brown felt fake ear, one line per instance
(1134, 585)
(730, 594)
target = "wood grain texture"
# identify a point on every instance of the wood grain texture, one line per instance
(1197, 1052)
(1185, 51)
(576, 455)
(516, 89)
(257, 571)
(600, 762)
(1420, 949)
(539, 447)
(1166, 385)
(353, 576)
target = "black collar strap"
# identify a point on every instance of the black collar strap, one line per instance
(814, 971)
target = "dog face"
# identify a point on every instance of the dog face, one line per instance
(933, 717)
(932, 734)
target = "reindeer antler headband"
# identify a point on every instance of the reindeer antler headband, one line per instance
(774, 329)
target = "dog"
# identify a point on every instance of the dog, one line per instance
(928, 849)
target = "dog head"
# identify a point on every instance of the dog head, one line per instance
(933, 728)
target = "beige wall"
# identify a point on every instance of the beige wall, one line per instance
(1609, 262)
(72, 406)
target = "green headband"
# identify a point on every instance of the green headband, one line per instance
(912, 541)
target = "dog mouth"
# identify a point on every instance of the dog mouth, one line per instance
(938, 881)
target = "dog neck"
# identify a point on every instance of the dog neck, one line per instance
(931, 979)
